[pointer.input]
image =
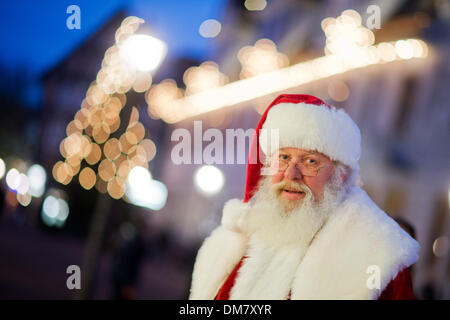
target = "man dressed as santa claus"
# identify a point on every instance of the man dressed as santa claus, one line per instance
(306, 230)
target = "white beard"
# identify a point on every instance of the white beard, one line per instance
(268, 220)
(278, 241)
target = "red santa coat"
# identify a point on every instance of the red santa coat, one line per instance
(336, 265)
(398, 289)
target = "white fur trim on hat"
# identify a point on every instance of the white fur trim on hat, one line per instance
(311, 127)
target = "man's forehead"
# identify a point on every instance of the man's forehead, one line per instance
(300, 152)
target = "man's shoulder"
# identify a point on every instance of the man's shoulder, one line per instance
(357, 238)
(360, 211)
(217, 256)
(366, 227)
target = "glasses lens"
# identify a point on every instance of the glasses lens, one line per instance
(308, 167)
(309, 172)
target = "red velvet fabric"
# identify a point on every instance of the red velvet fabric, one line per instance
(254, 165)
(224, 292)
(398, 289)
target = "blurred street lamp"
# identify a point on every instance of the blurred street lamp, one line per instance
(2, 168)
(143, 52)
(36, 179)
(143, 191)
(13, 179)
(255, 5)
(209, 179)
(210, 28)
(24, 184)
(54, 211)
(139, 177)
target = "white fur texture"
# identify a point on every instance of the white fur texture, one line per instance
(233, 213)
(356, 236)
(305, 126)
(217, 257)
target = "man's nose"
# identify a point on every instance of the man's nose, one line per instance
(293, 172)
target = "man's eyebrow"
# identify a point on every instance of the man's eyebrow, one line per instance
(313, 153)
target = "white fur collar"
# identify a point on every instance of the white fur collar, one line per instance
(358, 235)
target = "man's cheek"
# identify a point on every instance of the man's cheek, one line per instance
(278, 177)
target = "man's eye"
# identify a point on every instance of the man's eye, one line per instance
(284, 157)
(310, 161)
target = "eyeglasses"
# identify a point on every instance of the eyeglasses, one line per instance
(309, 165)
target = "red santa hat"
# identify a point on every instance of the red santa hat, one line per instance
(304, 122)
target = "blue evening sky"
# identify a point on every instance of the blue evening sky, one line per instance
(34, 36)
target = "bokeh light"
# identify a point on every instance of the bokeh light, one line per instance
(135, 133)
(441, 246)
(209, 179)
(149, 147)
(386, 51)
(404, 49)
(143, 52)
(95, 154)
(210, 28)
(24, 184)
(203, 77)
(160, 96)
(139, 177)
(2, 168)
(116, 187)
(62, 172)
(255, 5)
(338, 90)
(24, 199)
(37, 178)
(143, 82)
(143, 191)
(54, 211)
(261, 58)
(13, 179)
(112, 149)
(87, 178)
(107, 169)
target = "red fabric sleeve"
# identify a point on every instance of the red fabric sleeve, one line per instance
(400, 288)
(224, 292)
